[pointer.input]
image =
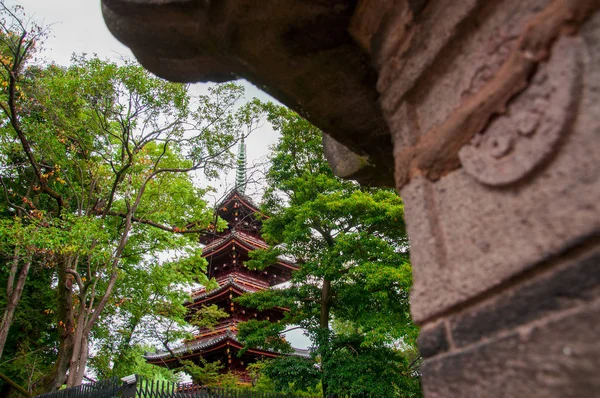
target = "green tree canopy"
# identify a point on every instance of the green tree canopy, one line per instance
(97, 161)
(351, 292)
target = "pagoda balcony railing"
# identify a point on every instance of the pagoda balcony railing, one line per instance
(245, 277)
(214, 332)
(223, 326)
(239, 277)
(230, 324)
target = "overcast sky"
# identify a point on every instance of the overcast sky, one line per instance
(77, 26)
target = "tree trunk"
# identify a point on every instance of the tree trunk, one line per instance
(57, 377)
(66, 328)
(78, 341)
(81, 362)
(14, 293)
(84, 358)
(70, 355)
(325, 307)
(324, 322)
(73, 351)
(14, 385)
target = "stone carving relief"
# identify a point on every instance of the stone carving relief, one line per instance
(528, 133)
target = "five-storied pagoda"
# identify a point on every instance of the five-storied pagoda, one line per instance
(226, 253)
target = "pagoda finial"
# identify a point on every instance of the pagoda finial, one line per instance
(240, 176)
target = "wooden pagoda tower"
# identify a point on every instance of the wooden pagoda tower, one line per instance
(227, 252)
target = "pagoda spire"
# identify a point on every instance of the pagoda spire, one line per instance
(240, 175)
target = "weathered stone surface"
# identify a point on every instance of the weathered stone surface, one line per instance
(516, 143)
(435, 153)
(562, 287)
(433, 340)
(299, 52)
(467, 238)
(461, 47)
(556, 358)
(347, 164)
(416, 52)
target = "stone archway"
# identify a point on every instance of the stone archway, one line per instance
(484, 115)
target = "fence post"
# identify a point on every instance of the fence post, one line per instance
(129, 386)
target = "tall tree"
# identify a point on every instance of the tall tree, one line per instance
(97, 169)
(17, 47)
(352, 247)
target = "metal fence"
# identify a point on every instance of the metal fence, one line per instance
(136, 387)
(108, 388)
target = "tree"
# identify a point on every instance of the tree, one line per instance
(97, 163)
(352, 247)
(148, 307)
(15, 50)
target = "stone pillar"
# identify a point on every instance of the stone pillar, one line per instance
(494, 112)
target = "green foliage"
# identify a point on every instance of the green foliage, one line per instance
(203, 373)
(30, 348)
(260, 381)
(229, 381)
(265, 334)
(268, 298)
(260, 259)
(131, 362)
(96, 183)
(355, 368)
(355, 273)
(207, 316)
(291, 374)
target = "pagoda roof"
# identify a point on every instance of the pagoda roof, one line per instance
(246, 201)
(232, 283)
(228, 338)
(245, 241)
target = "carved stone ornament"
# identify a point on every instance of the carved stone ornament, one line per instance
(526, 136)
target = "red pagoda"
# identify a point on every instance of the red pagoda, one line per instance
(227, 252)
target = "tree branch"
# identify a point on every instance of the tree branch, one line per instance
(14, 385)
(158, 225)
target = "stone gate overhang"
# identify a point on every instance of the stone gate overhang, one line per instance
(301, 52)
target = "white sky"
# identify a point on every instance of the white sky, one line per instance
(77, 27)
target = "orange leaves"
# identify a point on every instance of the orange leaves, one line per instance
(45, 176)
(62, 325)
(5, 60)
(37, 214)
(122, 301)
(145, 160)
